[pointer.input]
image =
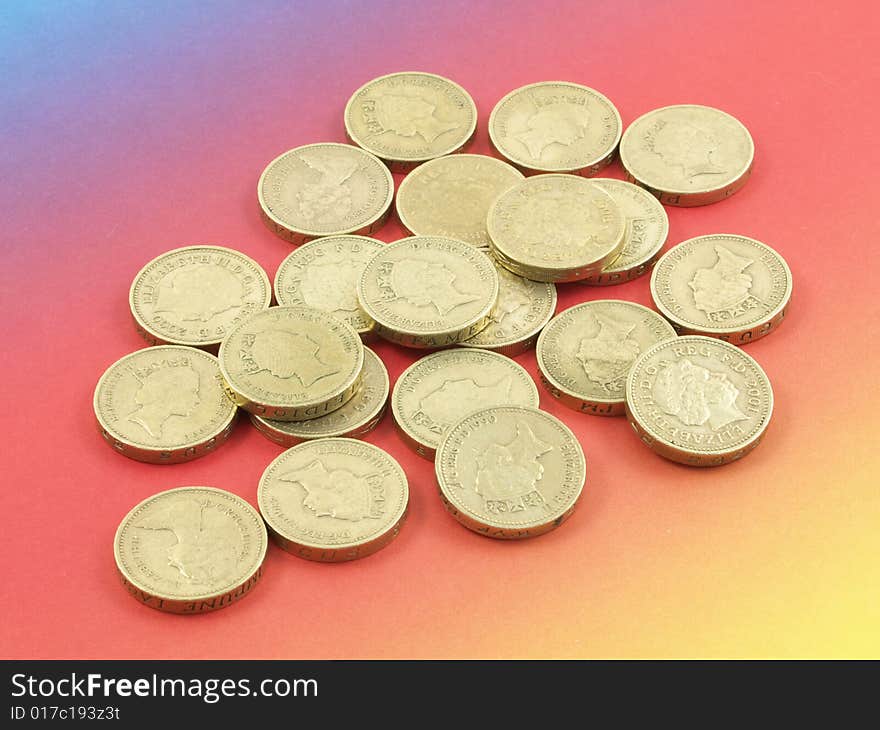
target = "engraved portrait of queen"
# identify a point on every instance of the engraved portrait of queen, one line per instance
(687, 147)
(199, 293)
(697, 396)
(723, 285)
(164, 392)
(557, 123)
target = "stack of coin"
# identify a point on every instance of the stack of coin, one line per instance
(438, 390)
(556, 228)
(428, 291)
(292, 363)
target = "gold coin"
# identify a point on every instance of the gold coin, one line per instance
(723, 285)
(556, 126)
(410, 117)
(688, 154)
(324, 189)
(451, 196)
(556, 228)
(190, 550)
(586, 352)
(323, 275)
(510, 472)
(698, 400)
(195, 295)
(356, 418)
(440, 389)
(647, 226)
(164, 405)
(333, 499)
(292, 363)
(428, 291)
(523, 308)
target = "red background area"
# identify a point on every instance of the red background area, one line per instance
(127, 131)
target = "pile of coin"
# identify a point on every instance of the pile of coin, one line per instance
(476, 281)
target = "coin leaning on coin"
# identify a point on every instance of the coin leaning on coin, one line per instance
(585, 353)
(428, 291)
(356, 418)
(194, 295)
(214, 559)
(333, 499)
(510, 472)
(722, 285)
(324, 189)
(688, 154)
(556, 228)
(164, 405)
(292, 363)
(698, 401)
(410, 117)
(439, 389)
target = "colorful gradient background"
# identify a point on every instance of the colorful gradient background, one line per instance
(129, 129)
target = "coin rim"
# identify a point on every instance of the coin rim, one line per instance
(249, 397)
(528, 166)
(404, 184)
(743, 326)
(285, 262)
(564, 510)
(172, 341)
(428, 448)
(468, 250)
(633, 415)
(665, 189)
(304, 542)
(581, 397)
(531, 334)
(654, 252)
(365, 225)
(457, 146)
(261, 529)
(265, 424)
(561, 274)
(147, 447)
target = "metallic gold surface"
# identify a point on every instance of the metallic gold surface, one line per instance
(698, 401)
(450, 196)
(323, 275)
(333, 499)
(510, 472)
(523, 308)
(190, 550)
(585, 353)
(409, 117)
(441, 388)
(196, 294)
(688, 154)
(647, 226)
(722, 285)
(428, 291)
(556, 228)
(292, 363)
(164, 405)
(556, 126)
(324, 189)
(356, 418)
